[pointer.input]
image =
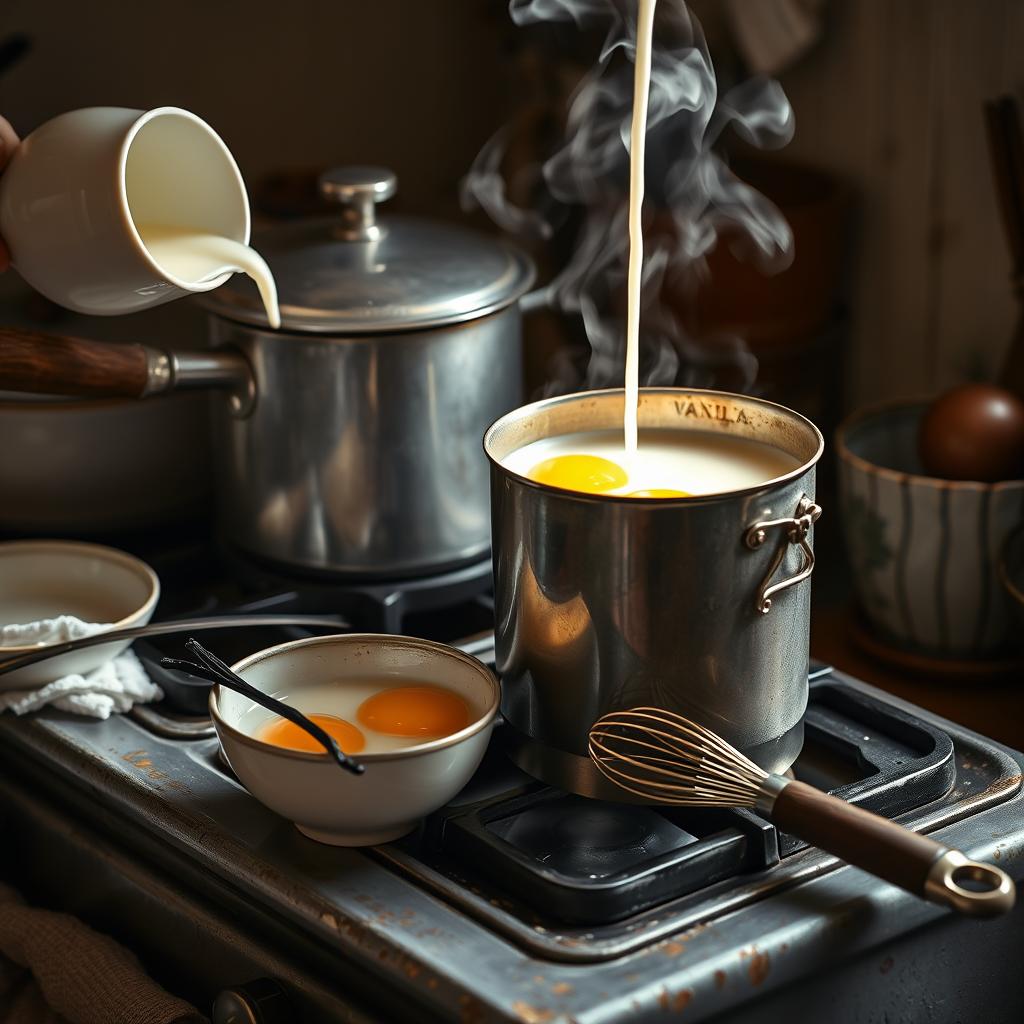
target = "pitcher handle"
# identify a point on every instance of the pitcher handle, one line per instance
(797, 528)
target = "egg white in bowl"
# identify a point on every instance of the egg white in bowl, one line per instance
(403, 782)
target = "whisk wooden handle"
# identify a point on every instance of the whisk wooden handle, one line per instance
(907, 859)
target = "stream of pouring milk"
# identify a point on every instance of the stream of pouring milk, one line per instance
(196, 256)
(638, 135)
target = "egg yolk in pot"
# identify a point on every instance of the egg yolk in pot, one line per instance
(283, 733)
(419, 711)
(588, 473)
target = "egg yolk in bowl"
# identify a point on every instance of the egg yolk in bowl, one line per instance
(414, 711)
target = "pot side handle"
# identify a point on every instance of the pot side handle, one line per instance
(796, 529)
(50, 364)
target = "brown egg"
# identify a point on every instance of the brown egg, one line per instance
(973, 432)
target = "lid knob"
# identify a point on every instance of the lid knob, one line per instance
(358, 190)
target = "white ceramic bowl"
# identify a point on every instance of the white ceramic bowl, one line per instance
(398, 788)
(924, 551)
(41, 579)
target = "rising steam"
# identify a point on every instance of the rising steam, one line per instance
(696, 194)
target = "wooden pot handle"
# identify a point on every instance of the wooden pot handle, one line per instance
(907, 859)
(51, 364)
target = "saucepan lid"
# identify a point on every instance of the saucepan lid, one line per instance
(356, 274)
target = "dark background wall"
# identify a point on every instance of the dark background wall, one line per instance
(407, 83)
(889, 99)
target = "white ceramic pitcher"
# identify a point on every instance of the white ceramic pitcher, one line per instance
(76, 188)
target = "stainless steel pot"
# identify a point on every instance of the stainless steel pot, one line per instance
(699, 606)
(349, 441)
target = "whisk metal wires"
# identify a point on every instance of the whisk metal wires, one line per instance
(662, 756)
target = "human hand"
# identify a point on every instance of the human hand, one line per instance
(8, 144)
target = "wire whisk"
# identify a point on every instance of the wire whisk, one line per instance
(669, 759)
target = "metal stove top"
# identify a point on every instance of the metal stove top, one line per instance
(519, 903)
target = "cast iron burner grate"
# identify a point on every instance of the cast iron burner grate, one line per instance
(373, 605)
(549, 831)
(205, 581)
(201, 577)
(581, 861)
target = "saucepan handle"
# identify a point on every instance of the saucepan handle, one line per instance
(908, 859)
(53, 364)
(48, 364)
(797, 528)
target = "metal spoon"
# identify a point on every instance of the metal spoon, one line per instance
(9, 664)
(211, 667)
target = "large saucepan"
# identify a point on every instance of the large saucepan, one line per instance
(349, 440)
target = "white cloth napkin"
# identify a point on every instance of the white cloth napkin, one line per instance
(115, 686)
(48, 631)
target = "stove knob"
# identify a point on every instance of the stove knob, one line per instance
(263, 1001)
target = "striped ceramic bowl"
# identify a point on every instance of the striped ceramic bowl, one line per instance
(924, 552)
